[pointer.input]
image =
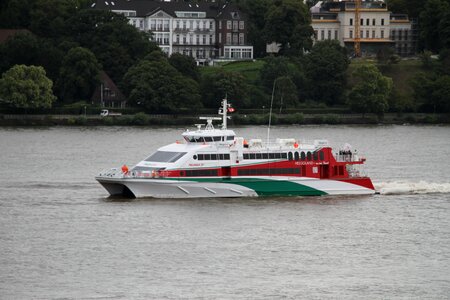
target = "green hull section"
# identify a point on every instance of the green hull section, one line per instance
(265, 187)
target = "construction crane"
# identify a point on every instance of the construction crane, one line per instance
(357, 42)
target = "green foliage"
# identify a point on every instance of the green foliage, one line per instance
(326, 68)
(425, 58)
(186, 65)
(116, 44)
(433, 19)
(159, 87)
(141, 119)
(47, 17)
(371, 92)
(79, 75)
(26, 87)
(256, 10)
(15, 13)
(222, 84)
(433, 92)
(288, 23)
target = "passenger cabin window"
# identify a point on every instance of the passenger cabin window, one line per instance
(165, 156)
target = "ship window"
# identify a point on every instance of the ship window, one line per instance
(227, 156)
(195, 156)
(296, 156)
(201, 157)
(207, 156)
(246, 156)
(182, 173)
(208, 139)
(308, 155)
(217, 138)
(265, 155)
(321, 155)
(213, 156)
(220, 156)
(230, 138)
(201, 173)
(290, 156)
(258, 156)
(284, 155)
(315, 156)
(252, 156)
(303, 155)
(165, 156)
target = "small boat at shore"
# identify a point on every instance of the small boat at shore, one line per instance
(215, 163)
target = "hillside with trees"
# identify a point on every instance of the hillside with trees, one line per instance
(70, 44)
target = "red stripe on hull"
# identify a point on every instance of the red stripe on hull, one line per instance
(364, 182)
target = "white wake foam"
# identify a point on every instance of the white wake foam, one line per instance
(404, 187)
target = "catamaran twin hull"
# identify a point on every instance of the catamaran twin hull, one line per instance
(213, 162)
(234, 187)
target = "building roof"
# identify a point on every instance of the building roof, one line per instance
(7, 33)
(107, 82)
(145, 8)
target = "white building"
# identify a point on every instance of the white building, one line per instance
(336, 21)
(198, 29)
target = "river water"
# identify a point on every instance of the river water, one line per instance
(62, 238)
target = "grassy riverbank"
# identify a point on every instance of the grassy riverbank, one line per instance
(141, 119)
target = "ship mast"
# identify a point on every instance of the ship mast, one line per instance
(223, 112)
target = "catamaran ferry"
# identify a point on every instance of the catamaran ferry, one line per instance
(213, 162)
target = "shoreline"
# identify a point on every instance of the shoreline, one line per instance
(251, 119)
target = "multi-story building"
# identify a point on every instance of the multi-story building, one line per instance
(378, 27)
(201, 30)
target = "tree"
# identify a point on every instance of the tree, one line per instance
(47, 17)
(276, 67)
(432, 92)
(430, 19)
(371, 92)
(79, 75)
(15, 13)
(326, 68)
(222, 84)
(288, 23)
(26, 87)
(186, 65)
(116, 44)
(159, 87)
(256, 11)
(286, 91)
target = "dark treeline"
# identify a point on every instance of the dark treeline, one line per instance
(69, 44)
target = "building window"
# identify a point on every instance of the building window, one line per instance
(235, 25)
(382, 22)
(211, 39)
(367, 22)
(373, 34)
(399, 35)
(351, 22)
(235, 39)
(228, 38)
(220, 37)
(322, 35)
(367, 34)
(382, 34)
(220, 24)
(373, 22)
(241, 39)
(361, 34)
(329, 34)
(406, 35)
(361, 22)
(336, 35)
(204, 39)
(241, 25)
(351, 34)
(315, 35)
(228, 25)
(184, 39)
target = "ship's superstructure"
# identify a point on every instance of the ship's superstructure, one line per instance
(212, 162)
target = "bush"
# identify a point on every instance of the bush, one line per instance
(141, 119)
(331, 119)
(297, 118)
(82, 120)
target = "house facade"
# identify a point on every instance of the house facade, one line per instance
(378, 27)
(206, 30)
